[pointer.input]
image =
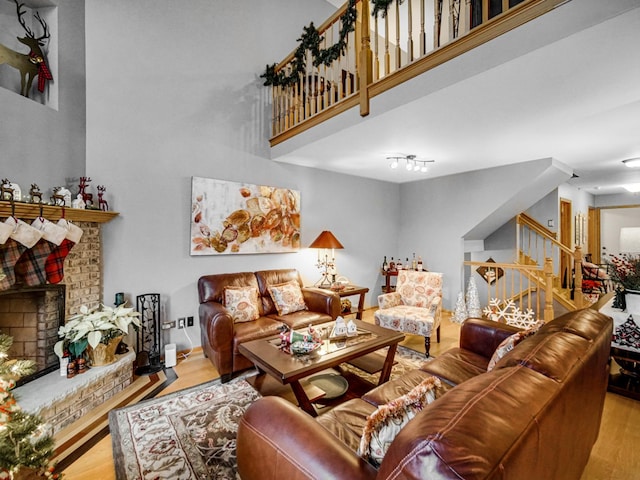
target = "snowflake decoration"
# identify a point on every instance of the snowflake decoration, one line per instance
(498, 310)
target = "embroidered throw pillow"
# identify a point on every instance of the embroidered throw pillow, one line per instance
(510, 342)
(242, 302)
(387, 420)
(287, 297)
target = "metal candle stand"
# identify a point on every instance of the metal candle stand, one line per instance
(149, 338)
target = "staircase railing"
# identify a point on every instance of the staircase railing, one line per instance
(528, 287)
(385, 50)
(535, 244)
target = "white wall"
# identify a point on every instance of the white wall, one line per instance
(173, 92)
(611, 221)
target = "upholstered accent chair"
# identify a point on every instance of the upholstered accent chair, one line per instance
(415, 307)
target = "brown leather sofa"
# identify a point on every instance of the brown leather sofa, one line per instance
(536, 415)
(220, 336)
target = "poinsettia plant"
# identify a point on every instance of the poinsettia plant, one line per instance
(626, 270)
(94, 326)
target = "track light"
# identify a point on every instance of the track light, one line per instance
(411, 164)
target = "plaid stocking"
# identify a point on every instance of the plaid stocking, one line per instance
(54, 265)
(10, 253)
(31, 266)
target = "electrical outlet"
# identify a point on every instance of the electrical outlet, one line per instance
(181, 323)
(189, 321)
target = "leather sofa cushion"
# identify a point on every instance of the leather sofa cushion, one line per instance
(265, 278)
(544, 352)
(211, 287)
(456, 366)
(260, 328)
(586, 323)
(302, 318)
(347, 421)
(395, 388)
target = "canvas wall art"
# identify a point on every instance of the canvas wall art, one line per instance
(236, 218)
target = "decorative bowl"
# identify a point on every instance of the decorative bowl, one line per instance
(304, 348)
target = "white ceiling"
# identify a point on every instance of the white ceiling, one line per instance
(566, 86)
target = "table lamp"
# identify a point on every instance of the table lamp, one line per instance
(327, 265)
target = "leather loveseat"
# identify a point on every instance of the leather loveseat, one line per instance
(535, 415)
(220, 336)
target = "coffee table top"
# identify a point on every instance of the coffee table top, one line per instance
(288, 368)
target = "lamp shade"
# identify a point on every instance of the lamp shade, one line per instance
(326, 240)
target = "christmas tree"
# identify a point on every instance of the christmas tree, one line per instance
(460, 313)
(24, 445)
(473, 302)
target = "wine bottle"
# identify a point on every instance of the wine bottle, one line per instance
(414, 263)
(385, 265)
(399, 264)
(420, 266)
(392, 265)
(407, 265)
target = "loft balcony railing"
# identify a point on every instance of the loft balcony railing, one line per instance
(385, 50)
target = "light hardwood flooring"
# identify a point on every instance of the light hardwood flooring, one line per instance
(614, 456)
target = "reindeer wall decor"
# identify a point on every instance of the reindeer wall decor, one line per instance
(33, 64)
(35, 193)
(102, 203)
(84, 184)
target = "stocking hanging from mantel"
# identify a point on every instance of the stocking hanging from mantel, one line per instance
(55, 262)
(30, 269)
(21, 238)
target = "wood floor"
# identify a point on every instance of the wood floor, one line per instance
(614, 456)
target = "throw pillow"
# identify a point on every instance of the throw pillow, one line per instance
(387, 420)
(510, 342)
(242, 302)
(287, 297)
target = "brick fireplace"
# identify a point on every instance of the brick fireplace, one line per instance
(59, 400)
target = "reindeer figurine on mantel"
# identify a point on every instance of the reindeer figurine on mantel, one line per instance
(33, 64)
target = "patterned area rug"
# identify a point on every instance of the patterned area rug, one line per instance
(188, 434)
(191, 434)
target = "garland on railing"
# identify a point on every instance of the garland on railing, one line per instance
(310, 40)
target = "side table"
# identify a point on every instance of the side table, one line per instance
(352, 290)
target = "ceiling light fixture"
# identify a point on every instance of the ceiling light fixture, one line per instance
(632, 162)
(411, 164)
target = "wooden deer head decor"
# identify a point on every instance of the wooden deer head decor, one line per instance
(32, 64)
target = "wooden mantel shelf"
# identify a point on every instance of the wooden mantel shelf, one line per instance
(51, 213)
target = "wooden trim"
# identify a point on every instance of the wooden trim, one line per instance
(487, 31)
(32, 211)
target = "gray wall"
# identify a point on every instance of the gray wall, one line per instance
(40, 144)
(173, 92)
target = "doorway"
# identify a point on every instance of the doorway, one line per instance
(565, 239)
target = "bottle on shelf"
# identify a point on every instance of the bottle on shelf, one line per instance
(420, 265)
(407, 265)
(414, 263)
(392, 265)
(385, 265)
(399, 264)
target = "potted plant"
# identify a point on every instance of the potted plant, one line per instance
(626, 273)
(97, 331)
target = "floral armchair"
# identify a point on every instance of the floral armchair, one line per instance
(415, 307)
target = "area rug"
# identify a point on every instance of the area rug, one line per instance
(190, 434)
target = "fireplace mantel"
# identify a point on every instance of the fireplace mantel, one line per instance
(32, 210)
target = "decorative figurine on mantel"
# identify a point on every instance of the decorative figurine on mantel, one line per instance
(35, 194)
(102, 203)
(78, 202)
(6, 190)
(57, 198)
(86, 197)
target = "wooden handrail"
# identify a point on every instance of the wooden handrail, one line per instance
(523, 219)
(369, 80)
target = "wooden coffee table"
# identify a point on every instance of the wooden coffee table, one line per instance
(290, 369)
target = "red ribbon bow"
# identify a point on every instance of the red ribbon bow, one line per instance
(44, 73)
